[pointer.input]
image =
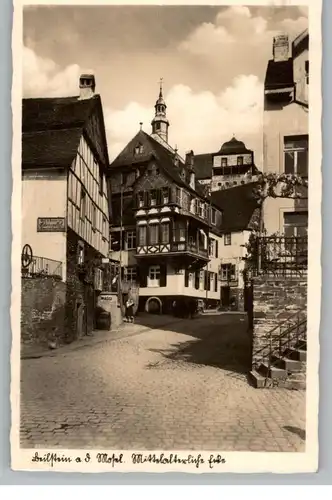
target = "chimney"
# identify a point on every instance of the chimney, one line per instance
(190, 167)
(87, 86)
(280, 48)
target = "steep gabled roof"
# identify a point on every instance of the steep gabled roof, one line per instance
(52, 127)
(152, 148)
(279, 75)
(238, 205)
(50, 148)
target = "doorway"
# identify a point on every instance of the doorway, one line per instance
(225, 296)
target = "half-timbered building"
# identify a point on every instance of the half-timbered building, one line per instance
(165, 231)
(65, 197)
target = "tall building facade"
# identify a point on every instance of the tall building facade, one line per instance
(166, 231)
(65, 202)
(285, 134)
(172, 238)
(233, 165)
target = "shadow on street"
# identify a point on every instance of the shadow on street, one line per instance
(219, 341)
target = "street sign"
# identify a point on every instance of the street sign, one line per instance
(51, 225)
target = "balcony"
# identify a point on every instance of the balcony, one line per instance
(174, 248)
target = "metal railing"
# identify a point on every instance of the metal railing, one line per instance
(41, 266)
(183, 246)
(282, 337)
(279, 256)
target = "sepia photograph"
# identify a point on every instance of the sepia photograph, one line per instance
(163, 257)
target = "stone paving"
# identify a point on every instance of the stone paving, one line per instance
(182, 386)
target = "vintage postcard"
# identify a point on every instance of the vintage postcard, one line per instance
(166, 236)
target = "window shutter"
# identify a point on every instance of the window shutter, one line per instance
(146, 198)
(197, 280)
(163, 275)
(186, 278)
(215, 282)
(208, 277)
(142, 276)
(159, 197)
(205, 280)
(216, 248)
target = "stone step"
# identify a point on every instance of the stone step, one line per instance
(301, 344)
(296, 354)
(256, 379)
(272, 371)
(288, 364)
(294, 382)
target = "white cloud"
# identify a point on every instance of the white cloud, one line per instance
(201, 121)
(42, 77)
(247, 34)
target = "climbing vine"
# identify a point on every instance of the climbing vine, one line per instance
(281, 186)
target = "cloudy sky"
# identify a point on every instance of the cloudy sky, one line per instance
(212, 60)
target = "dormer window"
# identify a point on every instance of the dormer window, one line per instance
(165, 195)
(140, 197)
(153, 197)
(139, 149)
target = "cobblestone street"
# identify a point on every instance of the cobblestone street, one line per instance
(182, 386)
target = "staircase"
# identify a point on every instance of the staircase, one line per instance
(281, 362)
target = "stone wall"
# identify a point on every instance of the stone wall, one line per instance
(274, 300)
(42, 310)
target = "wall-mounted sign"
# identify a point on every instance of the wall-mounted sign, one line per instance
(51, 224)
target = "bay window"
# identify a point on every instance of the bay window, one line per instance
(153, 234)
(164, 232)
(142, 235)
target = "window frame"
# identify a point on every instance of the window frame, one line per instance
(155, 226)
(239, 161)
(83, 206)
(163, 226)
(154, 275)
(132, 273)
(153, 197)
(295, 150)
(227, 272)
(213, 216)
(297, 226)
(80, 253)
(131, 237)
(227, 239)
(142, 231)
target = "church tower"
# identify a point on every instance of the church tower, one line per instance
(160, 123)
